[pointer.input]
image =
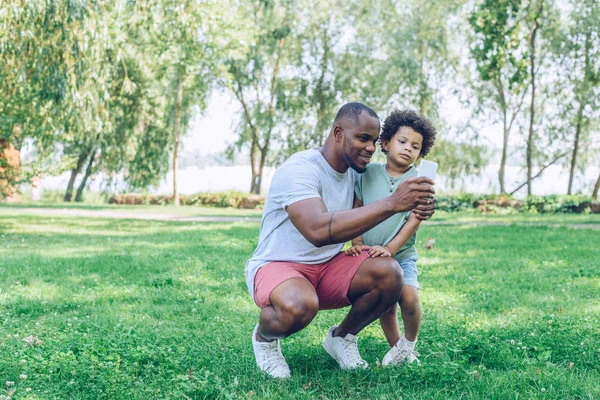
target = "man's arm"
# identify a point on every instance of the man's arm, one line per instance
(322, 227)
(357, 241)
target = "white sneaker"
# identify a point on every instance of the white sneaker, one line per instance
(269, 358)
(344, 350)
(400, 353)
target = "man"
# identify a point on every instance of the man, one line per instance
(297, 268)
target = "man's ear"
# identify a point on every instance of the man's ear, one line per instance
(338, 132)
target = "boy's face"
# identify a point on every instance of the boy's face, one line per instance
(405, 147)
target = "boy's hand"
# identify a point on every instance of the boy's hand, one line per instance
(355, 250)
(412, 217)
(379, 251)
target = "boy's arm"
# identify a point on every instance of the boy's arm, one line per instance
(406, 232)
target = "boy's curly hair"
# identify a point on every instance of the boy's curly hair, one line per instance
(409, 118)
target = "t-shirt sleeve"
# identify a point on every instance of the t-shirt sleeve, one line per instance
(358, 188)
(294, 182)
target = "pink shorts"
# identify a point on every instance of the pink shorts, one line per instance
(330, 279)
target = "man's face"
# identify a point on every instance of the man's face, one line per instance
(358, 141)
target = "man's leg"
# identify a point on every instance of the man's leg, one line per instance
(294, 304)
(375, 288)
(372, 287)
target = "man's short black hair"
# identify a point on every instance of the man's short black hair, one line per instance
(409, 118)
(352, 111)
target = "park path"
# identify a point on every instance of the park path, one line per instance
(69, 212)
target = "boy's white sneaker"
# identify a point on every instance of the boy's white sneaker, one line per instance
(344, 350)
(269, 358)
(400, 353)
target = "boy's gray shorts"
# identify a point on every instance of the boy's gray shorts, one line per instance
(409, 266)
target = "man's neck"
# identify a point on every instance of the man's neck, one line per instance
(333, 158)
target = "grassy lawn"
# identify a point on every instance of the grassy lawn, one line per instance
(135, 309)
(521, 218)
(184, 211)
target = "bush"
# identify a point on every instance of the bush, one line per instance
(505, 204)
(216, 199)
(558, 204)
(465, 202)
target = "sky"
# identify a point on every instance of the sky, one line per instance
(214, 130)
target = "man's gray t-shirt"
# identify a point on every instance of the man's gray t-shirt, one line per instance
(304, 175)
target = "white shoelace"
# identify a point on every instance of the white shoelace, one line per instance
(351, 349)
(405, 353)
(274, 357)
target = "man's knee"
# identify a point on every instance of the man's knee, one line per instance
(296, 308)
(388, 274)
(299, 312)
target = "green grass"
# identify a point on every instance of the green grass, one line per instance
(147, 309)
(183, 211)
(517, 218)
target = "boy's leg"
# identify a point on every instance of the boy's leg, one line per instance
(411, 312)
(403, 351)
(390, 326)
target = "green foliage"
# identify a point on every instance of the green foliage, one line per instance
(210, 199)
(143, 309)
(558, 204)
(114, 84)
(498, 42)
(504, 204)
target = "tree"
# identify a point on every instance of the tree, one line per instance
(401, 57)
(501, 63)
(537, 14)
(578, 53)
(310, 93)
(255, 78)
(40, 57)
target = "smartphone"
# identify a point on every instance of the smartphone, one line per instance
(428, 169)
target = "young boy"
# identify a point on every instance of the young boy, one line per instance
(405, 137)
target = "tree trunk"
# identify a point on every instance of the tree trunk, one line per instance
(532, 106)
(575, 148)
(88, 172)
(320, 90)
(579, 123)
(177, 135)
(501, 172)
(596, 188)
(74, 172)
(254, 162)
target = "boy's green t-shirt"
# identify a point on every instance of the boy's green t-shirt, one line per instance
(373, 185)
